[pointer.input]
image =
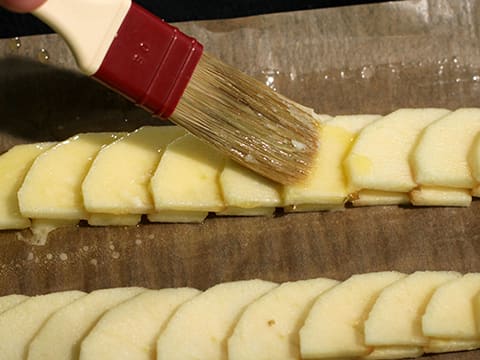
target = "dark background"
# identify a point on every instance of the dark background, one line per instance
(182, 10)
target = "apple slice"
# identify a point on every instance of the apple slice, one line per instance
(187, 179)
(130, 330)
(377, 197)
(9, 301)
(440, 196)
(52, 186)
(118, 180)
(326, 187)
(442, 346)
(407, 299)
(474, 163)
(268, 329)
(246, 193)
(177, 216)
(101, 219)
(394, 352)
(200, 327)
(332, 328)
(19, 324)
(379, 159)
(69, 325)
(449, 316)
(440, 158)
(14, 165)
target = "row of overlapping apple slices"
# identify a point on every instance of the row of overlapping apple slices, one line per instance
(383, 315)
(420, 156)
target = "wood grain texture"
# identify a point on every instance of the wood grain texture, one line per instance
(401, 54)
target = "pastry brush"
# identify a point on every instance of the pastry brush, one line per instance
(167, 72)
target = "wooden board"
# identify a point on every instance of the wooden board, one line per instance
(365, 59)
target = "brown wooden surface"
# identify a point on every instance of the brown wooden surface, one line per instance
(366, 59)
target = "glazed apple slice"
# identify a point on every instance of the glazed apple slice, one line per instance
(19, 324)
(130, 330)
(14, 165)
(62, 333)
(402, 335)
(105, 219)
(377, 197)
(117, 185)
(326, 186)
(332, 328)
(52, 186)
(268, 329)
(246, 193)
(185, 185)
(200, 327)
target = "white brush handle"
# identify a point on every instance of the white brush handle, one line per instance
(88, 26)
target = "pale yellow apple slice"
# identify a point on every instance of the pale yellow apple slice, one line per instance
(449, 317)
(52, 186)
(476, 310)
(442, 346)
(474, 163)
(246, 193)
(440, 158)
(118, 180)
(394, 352)
(67, 327)
(333, 328)
(268, 329)
(187, 180)
(9, 301)
(326, 186)
(100, 219)
(379, 159)
(14, 165)
(178, 216)
(440, 196)
(19, 324)
(130, 330)
(377, 197)
(200, 327)
(395, 320)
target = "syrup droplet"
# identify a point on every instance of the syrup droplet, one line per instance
(270, 76)
(43, 55)
(367, 72)
(16, 43)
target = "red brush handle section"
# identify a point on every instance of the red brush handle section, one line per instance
(150, 62)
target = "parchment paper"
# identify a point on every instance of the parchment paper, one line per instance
(363, 59)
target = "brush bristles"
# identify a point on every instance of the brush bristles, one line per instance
(248, 121)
